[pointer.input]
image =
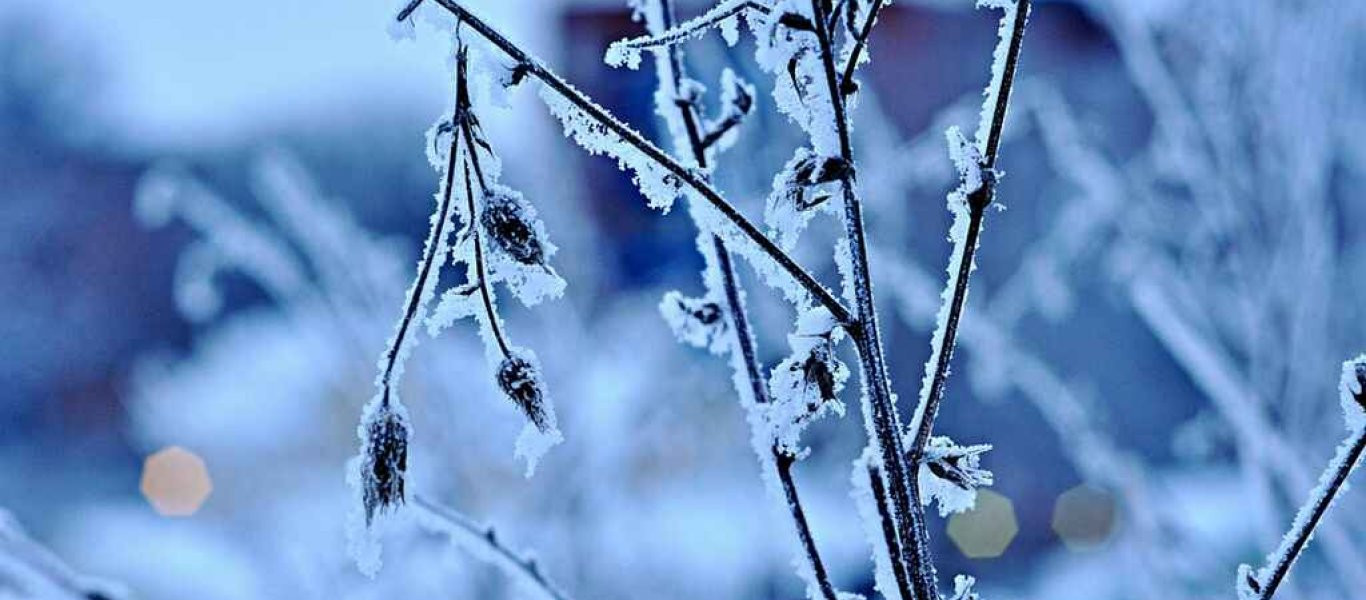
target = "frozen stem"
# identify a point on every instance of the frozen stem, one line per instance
(533, 67)
(483, 544)
(739, 316)
(1262, 584)
(906, 516)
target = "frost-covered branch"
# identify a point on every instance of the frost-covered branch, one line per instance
(880, 414)
(605, 123)
(680, 111)
(976, 164)
(483, 544)
(627, 52)
(847, 83)
(1263, 583)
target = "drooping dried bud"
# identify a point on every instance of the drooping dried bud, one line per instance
(520, 379)
(699, 322)
(806, 385)
(963, 588)
(1248, 587)
(508, 222)
(384, 460)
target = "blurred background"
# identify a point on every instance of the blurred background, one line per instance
(1152, 343)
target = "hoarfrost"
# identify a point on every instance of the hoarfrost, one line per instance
(806, 385)
(866, 466)
(659, 186)
(1005, 36)
(519, 377)
(1351, 393)
(805, 184)
(951, 474)
(698, 322)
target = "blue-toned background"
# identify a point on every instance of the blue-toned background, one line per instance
(1152, 343)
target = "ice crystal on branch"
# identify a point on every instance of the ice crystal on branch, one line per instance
(384, 459)
(519, 377)
(806, 183)
(806, 385)
(699, 322)
(951, 474)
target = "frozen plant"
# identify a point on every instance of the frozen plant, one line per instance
(1261, 584)
(812, 50)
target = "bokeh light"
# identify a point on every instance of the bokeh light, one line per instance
(1084, 517)
(986, 530)
(175, 481)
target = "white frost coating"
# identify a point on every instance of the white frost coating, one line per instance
(963, 588)
(951, 475)
(957, 204)
(1005, 33)
(1251, 584)
(657, 184)
(735, 93)
(725, 15)
(862, 493)
(967, 160)
(709, 219)
(363, 538)
(532, 444)
(530, 283)
(800, 90)
(1349, 389)
(805, 386)
(800, 189)
(698, 322)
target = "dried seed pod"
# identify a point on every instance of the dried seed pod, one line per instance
(699, 322)
(520, 379)
(509, 223)
(384, 460)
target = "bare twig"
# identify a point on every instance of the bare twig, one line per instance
(535, 68)
(847, 86)
(674, 34)
(744, 339)
(483, 544)
(977, 200)
(429, 258)
(1263, 584)
(885, 422)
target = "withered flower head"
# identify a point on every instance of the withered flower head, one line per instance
(520, 379)
(384, 461)
(958, 465)
(506, 221)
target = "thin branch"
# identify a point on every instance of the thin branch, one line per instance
(978, 200)
(480, 271)
(483, 544)
(860, 41)
(428, 259)
(1332, 481)
(740, 319)
(533, 66)
(907, 515)
(673, 35)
